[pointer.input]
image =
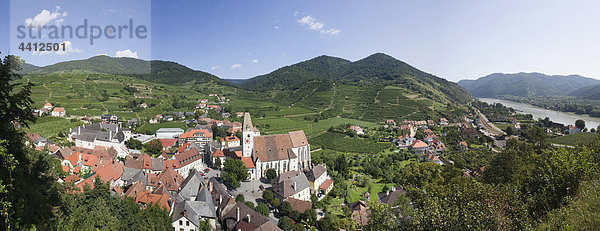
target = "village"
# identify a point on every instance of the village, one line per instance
(243, 180)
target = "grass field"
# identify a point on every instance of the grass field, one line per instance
(278, 125)
(574, 139)
(340, 142)
(51, 126)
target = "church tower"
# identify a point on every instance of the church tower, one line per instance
(247, 136)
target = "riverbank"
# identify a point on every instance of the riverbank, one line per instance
(566, 118)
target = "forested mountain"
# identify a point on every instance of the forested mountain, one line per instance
(589, 92)
(525, 85)
(154, 71)
(377, 69)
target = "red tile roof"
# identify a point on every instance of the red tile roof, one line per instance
(59, 109)
(188, 157)
(166, 143)
(419, 144)
(326, 184)
(196, 133)
(218, 153)
(248, 162)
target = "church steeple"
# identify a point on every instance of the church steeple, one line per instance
(247, 136)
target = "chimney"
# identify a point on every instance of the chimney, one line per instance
(210, 186)
(220, 199)
(248, 216)
(393, 188)
(387, 193)
(294, 185)
(237, 214)
(78, 130)
(109, 135)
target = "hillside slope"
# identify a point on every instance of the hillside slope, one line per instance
(525, 85)
(154, 71)
(589, 92)
(373, 88)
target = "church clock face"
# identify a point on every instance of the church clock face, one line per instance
(247, 141)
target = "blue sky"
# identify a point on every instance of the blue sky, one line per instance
(455, 40)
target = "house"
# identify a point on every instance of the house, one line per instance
(405, 141)
(167, 143)
(168, 133)
(463, 145)
(570, 129)
(101, 134)
(225, 114)
(199, 136)
(428, 138)
(142, 196)
(299, 205)
(443, 122)
(193, 203)
(239, 114)
(320, 183)
(144, 105)
(242, 218)
(132, 123)
(438, 146)
(47, 106)
(359, 212)
(418, 147)
(432, 157)
(110, 118)
(292, 184)
(230, 141)
(517, 126)
(58, 112)
(213, 157)
(357, 129)
(169, 179)
(189, 160)
(390, 197)
(390, 122)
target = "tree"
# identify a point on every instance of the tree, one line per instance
(285, 208)
(263, 209)
(134, 144)
(310, 216)
(28, 188)
(598, 129)
(267, 195)
(234, 172)
(218, 163)
(341, 165)
(271, 174)
(153, 147)
(509, 130)
(240, 198)
(249, 204)
(286, 223)
(580, 124)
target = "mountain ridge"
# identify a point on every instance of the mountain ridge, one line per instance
(524, 84)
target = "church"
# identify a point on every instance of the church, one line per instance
(282, 152)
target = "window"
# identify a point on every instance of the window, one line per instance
(180, 222)
(187, 223)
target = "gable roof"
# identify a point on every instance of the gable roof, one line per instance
(299, 205)
(315, 173)
(298, 138)
(285, 182)
(188, 157)
(231, 222)
(273, 147)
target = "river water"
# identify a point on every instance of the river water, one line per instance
(565, 118)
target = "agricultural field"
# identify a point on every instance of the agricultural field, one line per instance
(51, 126)
(341, 142)
(574, 139)
(278, 125)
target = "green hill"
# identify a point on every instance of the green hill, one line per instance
(374, 88)
(525, 85)
(154, 71)
(589, 92)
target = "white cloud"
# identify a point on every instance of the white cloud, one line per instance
(102, 54)
(255, 60)
(276, 27)
(126, 53)
(235, 66)
(313, 24)
(46, 17)
(331, 31)
(68, 49)
(215, 67)
(296, 13)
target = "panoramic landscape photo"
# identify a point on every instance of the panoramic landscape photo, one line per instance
(238, 115)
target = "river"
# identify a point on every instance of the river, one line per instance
(565, 118)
